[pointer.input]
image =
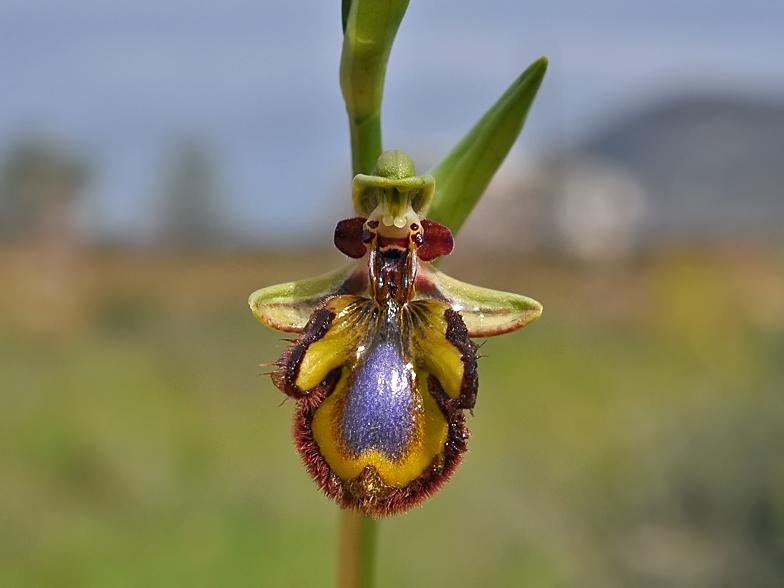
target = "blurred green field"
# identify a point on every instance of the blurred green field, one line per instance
(634, 436)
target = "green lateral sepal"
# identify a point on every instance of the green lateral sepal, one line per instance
(288, 307)
(485, 312)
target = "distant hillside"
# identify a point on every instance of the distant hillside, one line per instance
(696, 169)
(710, 166)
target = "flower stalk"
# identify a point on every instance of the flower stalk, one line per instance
(369, 29)
(384, 365)
(357, 549)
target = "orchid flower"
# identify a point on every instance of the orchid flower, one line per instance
(384, 366)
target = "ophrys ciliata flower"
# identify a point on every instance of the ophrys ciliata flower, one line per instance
(384, 366)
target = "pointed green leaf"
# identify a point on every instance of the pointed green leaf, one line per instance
(461, 178)
(369, 30)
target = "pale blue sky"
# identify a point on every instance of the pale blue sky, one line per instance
(258, 80)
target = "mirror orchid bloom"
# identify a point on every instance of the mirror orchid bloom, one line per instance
(384, 366)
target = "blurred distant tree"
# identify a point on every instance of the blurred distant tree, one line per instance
(40, 183)
(191, 213)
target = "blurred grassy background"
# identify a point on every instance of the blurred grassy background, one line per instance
(631, 437)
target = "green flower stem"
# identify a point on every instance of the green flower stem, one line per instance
(357, 550)
(369, 28)
(365, 143)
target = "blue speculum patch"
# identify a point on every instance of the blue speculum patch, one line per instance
(379, 409)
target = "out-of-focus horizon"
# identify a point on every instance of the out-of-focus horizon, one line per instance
(250, 91)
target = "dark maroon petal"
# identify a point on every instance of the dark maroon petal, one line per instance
(348, 237)
(438, 241)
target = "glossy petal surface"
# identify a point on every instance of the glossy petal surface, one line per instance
(378, 414)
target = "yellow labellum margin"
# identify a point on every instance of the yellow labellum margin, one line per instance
(384, 366)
